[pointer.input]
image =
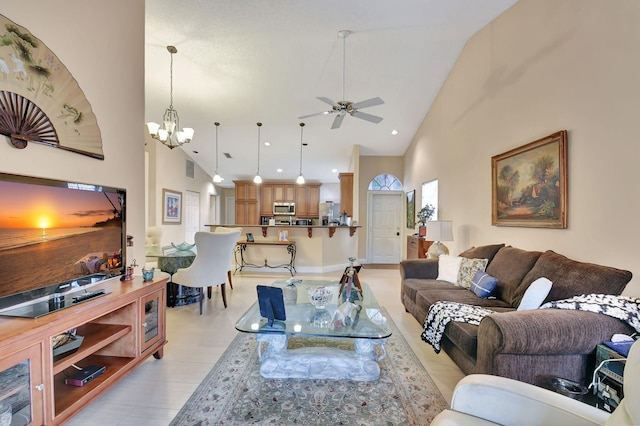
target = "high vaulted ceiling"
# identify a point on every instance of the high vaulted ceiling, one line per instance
(244, 61)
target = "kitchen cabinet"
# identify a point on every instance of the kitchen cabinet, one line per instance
(247, 212)
(308, 201)
(266, 200)
(284, 193)
(346, 193)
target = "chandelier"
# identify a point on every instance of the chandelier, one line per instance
(170, 133)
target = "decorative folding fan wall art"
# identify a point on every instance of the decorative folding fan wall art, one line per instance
(40, 101)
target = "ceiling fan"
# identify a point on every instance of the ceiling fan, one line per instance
(342, 108)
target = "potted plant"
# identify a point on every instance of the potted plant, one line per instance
(424, 215)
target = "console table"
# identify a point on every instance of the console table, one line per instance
(241, 247)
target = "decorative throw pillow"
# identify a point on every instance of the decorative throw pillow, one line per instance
(468, 269)
(483, 284)
(449, 268)
(535, 294)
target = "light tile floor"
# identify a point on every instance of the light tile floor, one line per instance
(153, 393)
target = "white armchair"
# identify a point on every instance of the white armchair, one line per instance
(480, 399)
(226, 230)
(210, 265)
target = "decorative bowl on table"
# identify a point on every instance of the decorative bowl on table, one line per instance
(320, 296)
(183, 246)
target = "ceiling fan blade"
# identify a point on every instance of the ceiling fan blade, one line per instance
(314, 114)
(368, 103)
(338, 121)
(369, 117)
(328, 101)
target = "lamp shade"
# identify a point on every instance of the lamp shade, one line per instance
(440, 230)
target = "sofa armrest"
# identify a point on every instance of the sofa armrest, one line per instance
(419, 268)
(511, 402)
(546, 331)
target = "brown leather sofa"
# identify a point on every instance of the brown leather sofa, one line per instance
(520, 344)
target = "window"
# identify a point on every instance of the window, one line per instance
(385, 182)
(430, 196)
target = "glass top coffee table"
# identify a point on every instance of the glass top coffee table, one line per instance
(366, 324)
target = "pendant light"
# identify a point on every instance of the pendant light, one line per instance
(300, 180)
(170, 133)
(216, 177)
(258, 179)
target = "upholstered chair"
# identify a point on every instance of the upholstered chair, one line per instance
(211, 264)
(481, 399)
(226, 230)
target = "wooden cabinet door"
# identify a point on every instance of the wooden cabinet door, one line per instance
(266, 200)
(302, 208)
(152, 320)
(346, 193)
(22, 384)
(289, 194)
(278, 193)
(313, 201)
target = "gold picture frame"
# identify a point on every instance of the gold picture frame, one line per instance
(171, 207)
(529, 184)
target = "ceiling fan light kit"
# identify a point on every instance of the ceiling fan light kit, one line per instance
(170, 134)
(344, 107)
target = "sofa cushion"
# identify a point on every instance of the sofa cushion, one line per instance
(449, 268)
(483, 252)
(535, 294)
(483, 284)
(428, 297)
(572, 278)
(464, 336)
(468, 269)
(411, 286)
(510, 265)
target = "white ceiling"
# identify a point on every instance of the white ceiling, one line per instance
(240, 62)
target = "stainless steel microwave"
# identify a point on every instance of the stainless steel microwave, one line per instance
(284, 209)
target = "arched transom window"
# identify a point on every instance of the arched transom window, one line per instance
(385, 182)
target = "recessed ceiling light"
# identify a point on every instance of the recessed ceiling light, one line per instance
(267, 144)
(279, 170)
(394, 132)
(334, 170)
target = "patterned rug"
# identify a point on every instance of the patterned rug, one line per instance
(234, 393)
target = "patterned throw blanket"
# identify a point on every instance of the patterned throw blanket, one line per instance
(624, 308)
(442, 313)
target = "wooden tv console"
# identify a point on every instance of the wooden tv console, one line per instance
(120, 331)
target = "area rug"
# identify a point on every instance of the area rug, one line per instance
(234, 393)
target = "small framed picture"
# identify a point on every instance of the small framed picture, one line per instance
(171, 207)
(283, 234)
(250, 237)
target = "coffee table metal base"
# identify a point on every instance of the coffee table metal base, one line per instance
(278, 362)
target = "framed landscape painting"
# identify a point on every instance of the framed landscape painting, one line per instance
(529, 184)
(411, 209)
(171, 207)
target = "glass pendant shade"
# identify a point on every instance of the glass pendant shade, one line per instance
(216, 177)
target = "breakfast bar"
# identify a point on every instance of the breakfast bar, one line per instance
(317, 248)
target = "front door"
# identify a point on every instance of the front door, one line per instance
(385, 221)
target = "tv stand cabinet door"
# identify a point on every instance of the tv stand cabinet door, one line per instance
(21, 384)
(153, 322)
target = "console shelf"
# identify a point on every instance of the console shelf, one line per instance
(120, 330)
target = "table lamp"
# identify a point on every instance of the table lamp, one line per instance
(439, 230)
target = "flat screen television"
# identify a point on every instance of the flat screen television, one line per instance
(57, 236)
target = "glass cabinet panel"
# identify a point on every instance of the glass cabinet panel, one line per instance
(21, 388)
(152, 319)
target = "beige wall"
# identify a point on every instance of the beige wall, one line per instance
(106, 57)
(543, 66)
(167, 170)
